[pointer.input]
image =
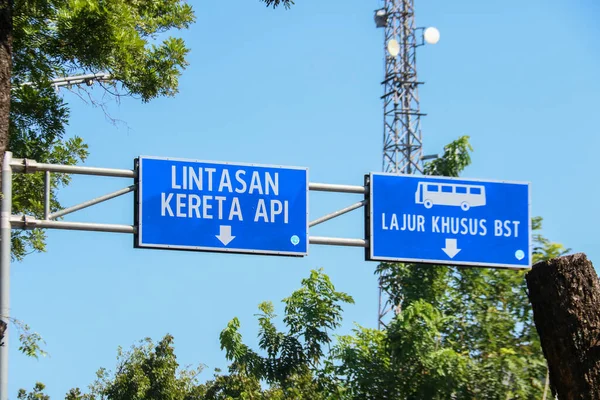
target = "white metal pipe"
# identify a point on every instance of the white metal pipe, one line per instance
(47, 188)
(338, 241)
(337, 213)
(26, 166)
(89, 203)
(76, 79)
(67, 79)
(32, 223)
(328, 187)
(5, 249)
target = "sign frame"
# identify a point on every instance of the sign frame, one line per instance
(137, 237)
(369, 256)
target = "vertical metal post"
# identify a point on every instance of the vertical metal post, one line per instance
(47, 195)
(5, 248)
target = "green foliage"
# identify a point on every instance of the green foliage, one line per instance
(364, 364)
(408, 361)
(488, 327)
(471, 337)
(59, 37)
(236, 385)
(30, 342)
(312, 310)
(148, 371)
(28, 192)
(295, 364)
(289, 363)
(66, 37)
(291, 359)
(36, 394)
(543, 248)
(429, 370)
(455, 159)
(277, 3)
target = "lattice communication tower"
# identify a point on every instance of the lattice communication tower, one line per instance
(402, 137)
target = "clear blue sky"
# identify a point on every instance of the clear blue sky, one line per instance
(301, 87)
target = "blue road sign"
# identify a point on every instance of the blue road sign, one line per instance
(449, 221)
(223, 207)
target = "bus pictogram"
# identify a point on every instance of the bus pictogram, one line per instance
(450, 194)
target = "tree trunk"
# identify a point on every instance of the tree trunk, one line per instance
(565, 296)
(6, 26)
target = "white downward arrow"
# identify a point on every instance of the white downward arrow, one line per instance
(225, 235)
(451, 248)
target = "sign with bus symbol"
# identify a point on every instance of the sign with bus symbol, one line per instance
(450, 194)
(449, 221)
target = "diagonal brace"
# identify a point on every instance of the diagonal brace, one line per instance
(337, 213)
(92, 202)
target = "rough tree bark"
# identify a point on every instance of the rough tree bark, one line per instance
(6, 26)
(565, 295)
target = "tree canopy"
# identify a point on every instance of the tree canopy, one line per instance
(53, 38)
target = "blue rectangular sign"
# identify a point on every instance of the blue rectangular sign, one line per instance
(449, 221)
(224, 207)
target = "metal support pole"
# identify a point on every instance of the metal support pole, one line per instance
(27, 222)
(5, 234)
(29, 166)
(327, 187)
(47, 195)
(338, 241)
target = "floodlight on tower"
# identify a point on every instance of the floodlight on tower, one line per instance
(431, 35)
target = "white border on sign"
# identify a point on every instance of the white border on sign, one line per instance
(451, 178)
(450, 262)
(217, 249)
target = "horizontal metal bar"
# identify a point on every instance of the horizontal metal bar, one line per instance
(328, 187)
(74, 80)
(92, 202)
(338, 241)
(99, 75)
(79, 79)
(26, 222)
(88, 82)
(26, 166)
(337, 213)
